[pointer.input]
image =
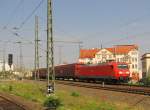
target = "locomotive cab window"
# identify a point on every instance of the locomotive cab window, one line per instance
(122, 66)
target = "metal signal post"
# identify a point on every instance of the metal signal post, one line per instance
(50, 50)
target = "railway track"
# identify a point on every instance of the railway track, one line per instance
(118, 88)
(8, 104)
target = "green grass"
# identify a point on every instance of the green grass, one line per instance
(28, 91)
(79, 102)
(70, 100)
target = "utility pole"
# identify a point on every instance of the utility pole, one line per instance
(50, 50)
(80, 47)
(17, 65)
(101, 46)
(21, 57)
(60, 54)
(79, 43)
(115, 53)
(102, 54)
(36, 63)
(4, 57)
(3, 67)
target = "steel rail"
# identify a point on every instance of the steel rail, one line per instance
(14, 103)
(118, 88)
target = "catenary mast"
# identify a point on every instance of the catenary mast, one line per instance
(50, 50)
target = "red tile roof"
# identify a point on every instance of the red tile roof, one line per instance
(122, 49)
(88, 53)
(119, 49)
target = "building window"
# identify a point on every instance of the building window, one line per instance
(136, 66)
(107, 56)
(117, 59)
(134, 53)
(122, 59)
(99, 62)
(98, 55)
(144, 74)
(143, 65)
(132, 59)
(136, 59)
(132, 66)
(110, 56)
(129, 66)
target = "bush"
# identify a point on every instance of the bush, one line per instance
(146, 81)
(10, 88)
(75, 94)
(52, 102)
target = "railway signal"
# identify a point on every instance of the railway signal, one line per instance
(10, 59)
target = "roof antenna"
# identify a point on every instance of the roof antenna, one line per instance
(101, 46)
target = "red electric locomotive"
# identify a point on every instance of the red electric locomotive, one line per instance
(115, 71)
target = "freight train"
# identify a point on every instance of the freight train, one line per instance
(111, 71)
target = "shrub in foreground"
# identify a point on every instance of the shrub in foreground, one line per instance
(146, 81)
(52, 102)
(10, 88)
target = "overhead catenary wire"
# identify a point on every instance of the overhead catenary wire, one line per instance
(28, 17)
(14, 12)
(126, 38)
(121, 26)
(31, 14)
(25, 20)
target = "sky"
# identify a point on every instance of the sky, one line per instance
(94, 22)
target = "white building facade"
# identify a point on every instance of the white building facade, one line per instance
(146, 65)
(7, 67)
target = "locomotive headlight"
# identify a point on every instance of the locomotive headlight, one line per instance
(127, 72)
(120, 72)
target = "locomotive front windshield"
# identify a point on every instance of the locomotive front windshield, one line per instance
(123, 66)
